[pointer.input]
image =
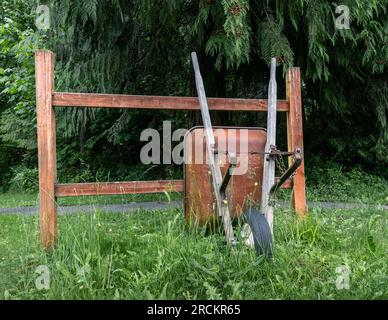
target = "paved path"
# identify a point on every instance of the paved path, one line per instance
(152, 206)
(133, 206)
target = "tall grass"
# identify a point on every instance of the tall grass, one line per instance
(153, 255)
(331, 182)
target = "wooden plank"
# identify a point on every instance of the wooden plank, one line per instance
(111, 188)
(44, 61)
(160, 102)
(133, 187)
(270, 166)
(295, 137)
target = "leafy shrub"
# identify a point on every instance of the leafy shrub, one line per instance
(24, 179)
(331, 181)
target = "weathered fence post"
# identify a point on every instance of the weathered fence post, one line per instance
(295, 137)
(44, 64)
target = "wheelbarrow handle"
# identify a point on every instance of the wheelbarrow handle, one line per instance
(217, 181)
(294, 166)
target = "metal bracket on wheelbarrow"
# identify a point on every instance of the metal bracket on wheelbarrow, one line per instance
(219, 183)
(291, 170)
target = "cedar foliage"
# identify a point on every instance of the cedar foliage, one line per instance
(143, 47)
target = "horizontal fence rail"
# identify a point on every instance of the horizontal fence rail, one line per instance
(111, 188)
(93, 100)
(131, 187)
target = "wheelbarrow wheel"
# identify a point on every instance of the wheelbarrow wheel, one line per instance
(260, 235)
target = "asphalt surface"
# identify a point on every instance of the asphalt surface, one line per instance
(155, 206)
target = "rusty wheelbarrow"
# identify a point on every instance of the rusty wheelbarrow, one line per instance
(230, 173)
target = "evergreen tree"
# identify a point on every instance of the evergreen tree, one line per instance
(143, 47)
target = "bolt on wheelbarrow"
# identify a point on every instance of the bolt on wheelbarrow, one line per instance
(237, 178)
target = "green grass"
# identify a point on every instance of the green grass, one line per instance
(154, 256)
(330, 182)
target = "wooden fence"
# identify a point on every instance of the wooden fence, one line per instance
(47, 99)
